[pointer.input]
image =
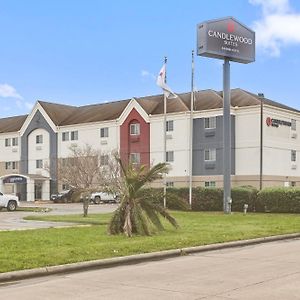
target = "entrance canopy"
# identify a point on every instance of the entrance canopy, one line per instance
(24, 186)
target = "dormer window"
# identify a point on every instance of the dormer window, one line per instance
(39, 139)
(135, 129)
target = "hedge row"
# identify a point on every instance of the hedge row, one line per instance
(204, 199)
(279, 200)
(283, 200)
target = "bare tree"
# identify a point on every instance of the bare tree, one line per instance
(87, 169)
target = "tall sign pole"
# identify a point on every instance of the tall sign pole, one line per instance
(226, 138)
(191, 134)
(230, 40)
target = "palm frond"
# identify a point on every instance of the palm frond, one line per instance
(137, 214)
(152, 214)
(140, 221)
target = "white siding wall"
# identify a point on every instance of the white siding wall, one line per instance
(247, 141)
(89, 134)
(179, 143)
(278, 143)
(11, 153)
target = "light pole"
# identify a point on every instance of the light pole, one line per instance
(261, 97)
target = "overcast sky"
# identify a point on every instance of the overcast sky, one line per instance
(89, 51)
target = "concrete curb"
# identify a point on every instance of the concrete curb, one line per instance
(133, 259)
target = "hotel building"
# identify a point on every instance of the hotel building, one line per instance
(135, 127)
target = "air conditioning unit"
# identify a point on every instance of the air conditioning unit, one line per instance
(38, 148)
(104, 142)
(294, 135)
(169, 136)
(14, 149)
(294, 166)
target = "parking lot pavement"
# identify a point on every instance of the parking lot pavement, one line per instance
(14, 220)
(268, 271)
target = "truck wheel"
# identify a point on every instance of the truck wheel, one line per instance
(97, 200)
(12, 205)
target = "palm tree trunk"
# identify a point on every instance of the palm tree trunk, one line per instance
(127, 224)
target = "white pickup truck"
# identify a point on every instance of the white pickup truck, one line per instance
(99, 197)
(10, 202)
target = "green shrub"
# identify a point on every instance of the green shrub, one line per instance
(204, 199)
(279, 199)
(207, 199)
(244, 195)
(211, 199)
(175, 198)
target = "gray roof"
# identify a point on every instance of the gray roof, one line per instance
(204, 100)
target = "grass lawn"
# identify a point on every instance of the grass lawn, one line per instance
(44, 247)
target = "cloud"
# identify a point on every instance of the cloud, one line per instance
(8, 91)
(147, 74)
(278, 27)
(29, 105)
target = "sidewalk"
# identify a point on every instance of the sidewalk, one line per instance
(268, 271)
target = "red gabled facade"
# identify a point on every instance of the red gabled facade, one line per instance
(138, 143)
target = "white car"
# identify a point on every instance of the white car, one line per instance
(10, 202)
(99, 197)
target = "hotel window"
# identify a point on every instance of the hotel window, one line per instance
(15, 141)
(104, 160)
(39, 139)
(65, 136)
(169, 125)
(7, 142)
(170, 183)
(210, 154)
(135, 129)
(8, 165)
(169, 156)
(11, 165)
(293, 155)
(210, 184)
(39, 163)
(293, 183)
(74, 135)
(210, 123)
(135, 158)
(104, 132)
(293, 124)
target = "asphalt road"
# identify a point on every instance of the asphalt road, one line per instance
(14, 220)
(264, 271)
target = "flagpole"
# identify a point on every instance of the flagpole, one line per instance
(191, 133)
(165, 138)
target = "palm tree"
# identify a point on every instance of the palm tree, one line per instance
(137, 213)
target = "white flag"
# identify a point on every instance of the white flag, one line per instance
(161, 78)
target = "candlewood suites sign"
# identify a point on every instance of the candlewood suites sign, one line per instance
(226, 38)
(277, 123)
